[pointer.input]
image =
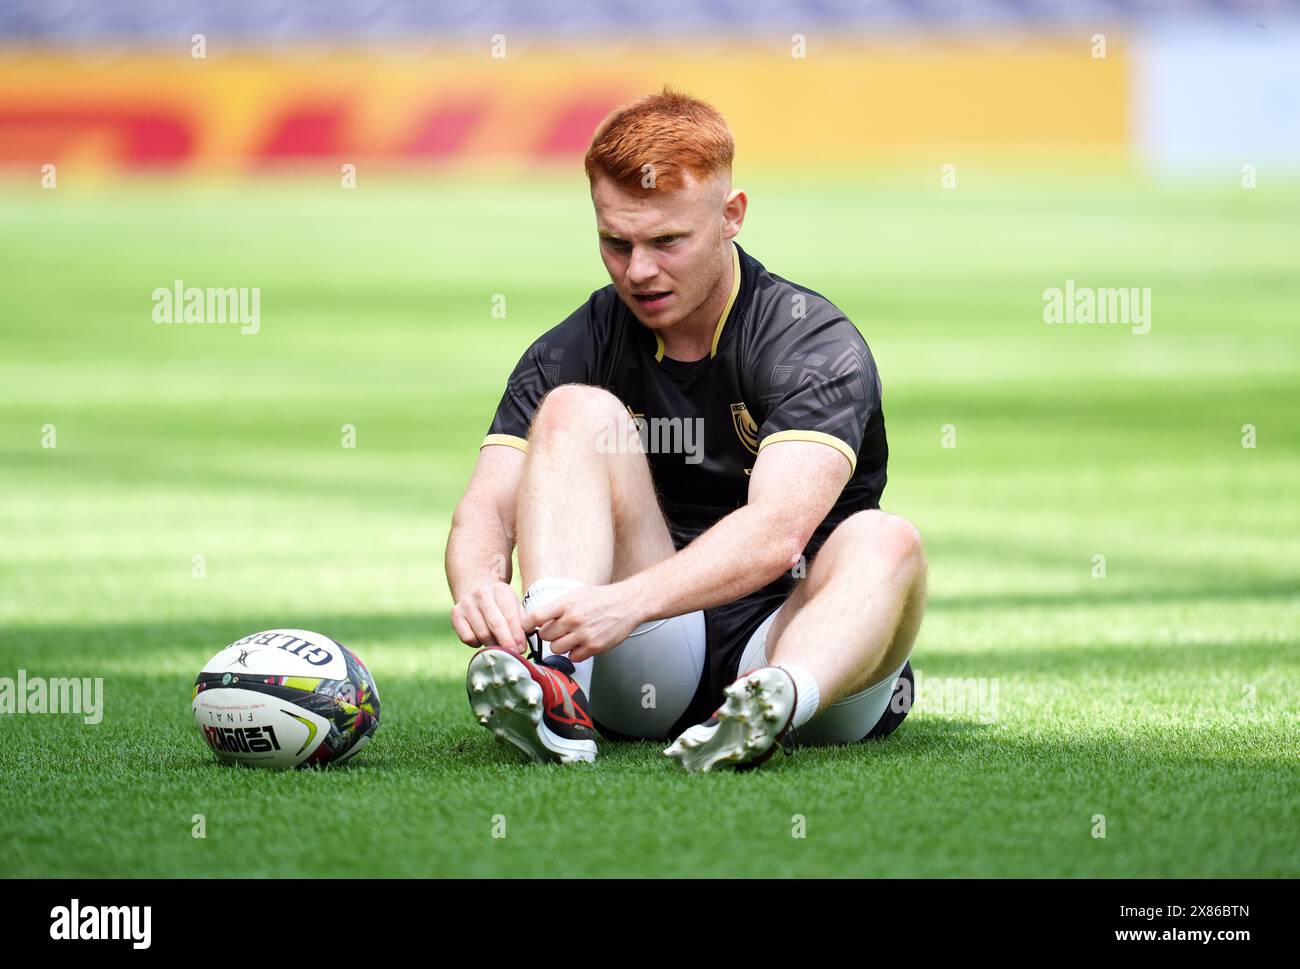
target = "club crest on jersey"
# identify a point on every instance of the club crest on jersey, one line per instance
(746, 428)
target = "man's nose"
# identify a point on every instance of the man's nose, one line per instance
(641, 268)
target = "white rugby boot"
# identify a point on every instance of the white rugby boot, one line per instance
(744, 732)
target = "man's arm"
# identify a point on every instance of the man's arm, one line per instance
(478, 552)
(819, 386)
(483, 529)
(793, 487)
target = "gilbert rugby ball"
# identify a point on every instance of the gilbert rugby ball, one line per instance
(285, 698)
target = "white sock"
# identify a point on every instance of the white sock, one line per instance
(807, 696)
(539, 594)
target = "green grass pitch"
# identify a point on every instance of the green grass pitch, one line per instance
(1162, 696)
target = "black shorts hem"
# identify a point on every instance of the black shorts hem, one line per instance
(728, 629)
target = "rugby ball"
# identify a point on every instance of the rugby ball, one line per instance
(285, 698)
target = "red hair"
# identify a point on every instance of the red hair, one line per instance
(649, 143)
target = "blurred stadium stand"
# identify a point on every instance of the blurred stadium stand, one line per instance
(277, 22)
(120, 85)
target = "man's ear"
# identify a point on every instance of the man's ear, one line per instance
(733, 213)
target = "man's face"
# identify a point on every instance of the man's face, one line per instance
(665, 251)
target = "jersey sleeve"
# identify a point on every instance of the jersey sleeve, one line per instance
(566, 354)
(816, 381)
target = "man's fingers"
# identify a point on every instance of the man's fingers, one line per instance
(540, 615)
(500, 628)
(480, 628)
(463, 629)
(555, 629)
(563, 644)
(509, 605)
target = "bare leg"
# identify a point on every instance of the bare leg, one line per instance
(587, 510)
(853, 620)
(587, 513)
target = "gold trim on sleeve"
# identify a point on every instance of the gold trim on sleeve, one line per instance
(509, 440)
(816, 437)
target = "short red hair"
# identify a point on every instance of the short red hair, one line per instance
(669, 131)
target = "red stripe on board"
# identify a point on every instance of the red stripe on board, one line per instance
(143, 136)
(305, 131)
(571, 130)
(444, 129)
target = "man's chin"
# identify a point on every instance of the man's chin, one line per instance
(654, 319)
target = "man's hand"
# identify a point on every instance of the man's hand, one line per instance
(490, 615)
(586, 621)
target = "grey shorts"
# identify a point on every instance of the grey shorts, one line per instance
(669, 675)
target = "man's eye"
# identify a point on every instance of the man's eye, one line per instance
(618, 244)
(666, 240)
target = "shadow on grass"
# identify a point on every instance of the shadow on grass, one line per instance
(1068, 659)
(76, 649)
(431, 728)
(207, 633)
(1212, 591)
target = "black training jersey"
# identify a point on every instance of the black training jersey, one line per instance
(786, 365)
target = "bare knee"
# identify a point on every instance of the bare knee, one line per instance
(879, 538)
(576, 410)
